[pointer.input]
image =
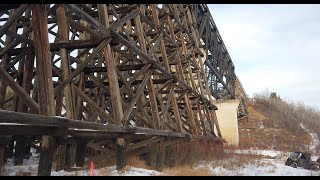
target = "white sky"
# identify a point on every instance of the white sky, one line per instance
(274, 47)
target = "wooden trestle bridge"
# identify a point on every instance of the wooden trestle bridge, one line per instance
(127, 75)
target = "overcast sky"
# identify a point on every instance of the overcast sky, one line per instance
(274, 47)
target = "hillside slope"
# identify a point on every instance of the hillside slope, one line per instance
(275, 124)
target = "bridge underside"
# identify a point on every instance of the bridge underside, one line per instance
(137, 74)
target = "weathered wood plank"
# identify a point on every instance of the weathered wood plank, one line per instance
(136, 97)
(19, 11)
(81, 66)
(114, 89)
(190, 114)
(80, 154)
(68, 92)
(45, 84)
(31, 130)
(93, 104)
(143, 143)
(176, 113)
(19, 91)
(2, 150)
(160, 157)
(153, 104)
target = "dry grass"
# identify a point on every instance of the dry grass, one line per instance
(106, 172)
(21, 173)
(229, 161)
(275, 124)
(137, 162)
(189, 153)
(99, 161)
(187, 170)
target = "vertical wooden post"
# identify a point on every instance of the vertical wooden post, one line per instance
(70, 160)
(151, 160)
(151, 155)
(2, 149)
(27, 84)
(80, 154)
(210, 120)
(114, 90)
(20, 147)
(61, 157)
(156, 121)
(176, 112)
(5, 61)
(201, 119)
(19, 150)
(67, 91)
(160, 153)
(9, 149)
(215, 121)
(160, 156)
(45, 84)
(190, 114)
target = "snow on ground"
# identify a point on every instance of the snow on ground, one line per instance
(109, 171)
(29, 166)
(270, 164)
(266, 153)
(270, 167)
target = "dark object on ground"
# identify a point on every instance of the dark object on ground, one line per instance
(302, 159)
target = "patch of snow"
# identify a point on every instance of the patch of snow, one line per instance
(29, 166)
(131, 171)
(270, 153)
(270, 168)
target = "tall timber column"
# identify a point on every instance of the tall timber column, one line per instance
(228, 121)
(114, 88)
(45, 84)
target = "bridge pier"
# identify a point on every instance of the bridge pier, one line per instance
(228, 121)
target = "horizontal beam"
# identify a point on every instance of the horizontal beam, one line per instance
(31, 130)
(88, 70)
(11, 122)
(91, 84)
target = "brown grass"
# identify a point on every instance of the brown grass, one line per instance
(99, 161)
(137, 162)
(187, 170)
(106, 172)
(21, 173)
(188, 153)
(275, 124)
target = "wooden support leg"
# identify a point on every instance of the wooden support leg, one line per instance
(19, 150)
(2, 149)
(46, 156)
(80, 154)
(27, 153)
(121, 154)
(151, 155)
(61, 158)
(160, 156)
(9, 150)
(70, 157)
